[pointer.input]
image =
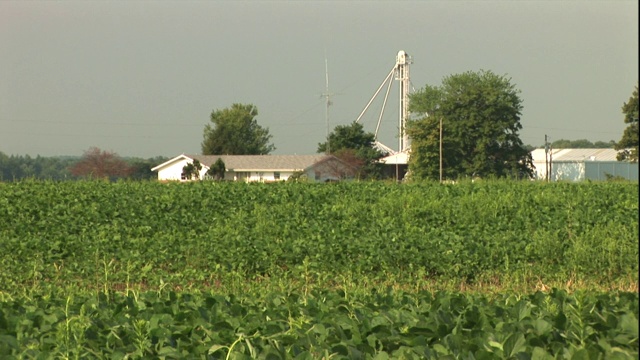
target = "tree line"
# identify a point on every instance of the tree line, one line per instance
(94, 163)
(468, 126)
(581, 144)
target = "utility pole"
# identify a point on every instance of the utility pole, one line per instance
(441, 149)
(550, 162)
(546, 158)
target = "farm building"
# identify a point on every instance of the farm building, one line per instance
(396, 164)
(261, 168)
(582, 164)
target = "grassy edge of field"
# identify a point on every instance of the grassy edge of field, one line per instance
(306, 282)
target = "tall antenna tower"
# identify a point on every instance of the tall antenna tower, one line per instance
(327, 95)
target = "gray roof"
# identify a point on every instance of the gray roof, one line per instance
(262, 162)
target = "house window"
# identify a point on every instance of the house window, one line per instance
(261, 176)
(276, 175)
(318, 175)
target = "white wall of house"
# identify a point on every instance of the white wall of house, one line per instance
(324, 171)
(203, 171)
(258, 175)
(173, 171)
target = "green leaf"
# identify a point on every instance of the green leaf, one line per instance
(10, 341)
(539, 353)
(514, 344)
(620, 354)
(542, 327)
(441, 349)
(320, 329)
(305, 355)
(381, 356)
(495, 344)
(524, 310)
(580, 354)
(215, 348)
(170, 352)
(629, 325)
(252, 350)
(379, 320)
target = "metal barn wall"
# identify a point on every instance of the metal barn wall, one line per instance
(598, 170)
(592, 170)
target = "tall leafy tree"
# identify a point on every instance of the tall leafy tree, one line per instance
(480, 113)
(354, 146)
(629, 142)
(235, 131)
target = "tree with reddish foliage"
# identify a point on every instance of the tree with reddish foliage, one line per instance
(99, 164)
(356, 164)
(351, 144)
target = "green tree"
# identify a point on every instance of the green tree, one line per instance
(480, 113)
(235, 131)
(561, 144)
(569, 144)
(4, 167)
(191, 170)
(604, 145)
(351, 144)
(217, 170)
(629, 142)
(141, 168)
(581, 144)
(298, 176)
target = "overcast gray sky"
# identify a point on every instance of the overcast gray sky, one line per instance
(141, 77)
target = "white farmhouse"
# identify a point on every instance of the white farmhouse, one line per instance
(261, 168)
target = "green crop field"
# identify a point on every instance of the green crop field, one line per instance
(206, 270)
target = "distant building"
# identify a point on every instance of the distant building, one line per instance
(395, 165)
(260, 168)
(582, 164)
